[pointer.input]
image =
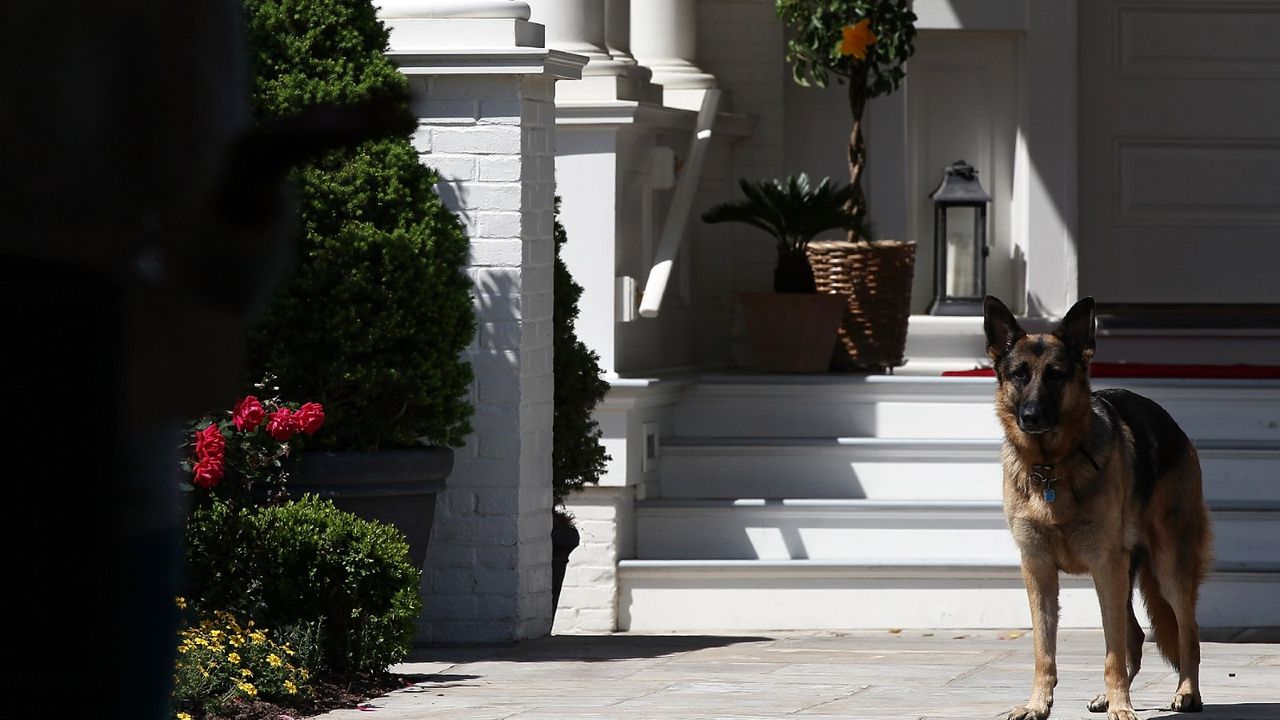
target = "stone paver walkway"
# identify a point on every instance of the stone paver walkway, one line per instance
(910, 674)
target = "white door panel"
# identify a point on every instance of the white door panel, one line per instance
(1179, 175)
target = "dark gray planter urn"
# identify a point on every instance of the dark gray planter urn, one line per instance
(398, 487)
(564, 539)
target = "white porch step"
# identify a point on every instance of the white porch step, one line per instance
(867, 531)
(906, 469)
(887, 406)
(757, 596)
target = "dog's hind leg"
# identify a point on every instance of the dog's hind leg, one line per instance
(1178, 577)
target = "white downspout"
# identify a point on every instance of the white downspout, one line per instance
(681, 203)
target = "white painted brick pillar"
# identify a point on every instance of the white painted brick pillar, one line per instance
(485, 98)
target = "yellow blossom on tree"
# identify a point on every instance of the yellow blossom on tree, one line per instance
(857, 38)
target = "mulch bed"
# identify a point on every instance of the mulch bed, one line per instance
(332, 694)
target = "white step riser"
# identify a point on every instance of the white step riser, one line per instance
(694, 602)
(781, 533)
(833, 472)
(938, 410)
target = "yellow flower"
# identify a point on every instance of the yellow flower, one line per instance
(248, 689)
(857, 38)
(183, 716)
(290, 688)
(233, 657)
(257, 636)
(181, 602)
(235, 640)
(274, 660)
(246, 672)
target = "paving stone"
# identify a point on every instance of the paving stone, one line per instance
(911, 674)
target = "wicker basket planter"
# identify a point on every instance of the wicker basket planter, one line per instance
(877, 279)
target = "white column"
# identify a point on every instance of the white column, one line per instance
(485, 101)
(617, 30)
(578, 26)
(664, 37)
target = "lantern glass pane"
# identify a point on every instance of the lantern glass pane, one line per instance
(962, 252)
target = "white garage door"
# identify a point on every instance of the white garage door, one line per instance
(1179, 185)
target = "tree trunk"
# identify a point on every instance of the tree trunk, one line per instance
(857, 150)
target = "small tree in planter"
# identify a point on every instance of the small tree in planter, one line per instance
(864, 44)
(374, 319)
(577, 457)
(792, 329)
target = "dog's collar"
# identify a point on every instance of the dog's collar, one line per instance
(1043, 475)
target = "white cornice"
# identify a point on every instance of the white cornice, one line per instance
(629, 112)
(514, 61)
(424, 9)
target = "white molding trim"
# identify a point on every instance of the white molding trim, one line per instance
(519, 61)
(430, 9)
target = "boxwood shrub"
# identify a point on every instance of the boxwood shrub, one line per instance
(374, 318)
(341, 590)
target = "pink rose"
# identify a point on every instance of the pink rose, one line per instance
(210, 445)
(207, 473)
(282, 424)
(248, 413)
(310, 417)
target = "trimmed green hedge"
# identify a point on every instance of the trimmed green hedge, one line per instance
(374, 319)
(341, 590)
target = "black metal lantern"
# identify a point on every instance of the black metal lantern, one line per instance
(960, 242)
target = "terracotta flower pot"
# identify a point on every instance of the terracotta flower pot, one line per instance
(793, 332)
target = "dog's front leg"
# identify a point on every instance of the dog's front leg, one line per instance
(1111, 580)
(1041, 578)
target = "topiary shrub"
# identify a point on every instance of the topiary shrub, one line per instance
(577, 457)
(339, 589)
(374, 319)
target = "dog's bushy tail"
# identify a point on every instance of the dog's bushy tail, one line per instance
(1163, 621)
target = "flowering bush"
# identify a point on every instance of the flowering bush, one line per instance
(248, 445)
(220, 661)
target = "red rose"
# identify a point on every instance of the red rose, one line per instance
(207, 473)
(310, 417)
(248, 413)
(282, 424)
(210, 445)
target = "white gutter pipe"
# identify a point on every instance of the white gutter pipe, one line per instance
(681, 204)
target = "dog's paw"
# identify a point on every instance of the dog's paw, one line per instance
(1098, 704)
(1122, 714)
(1027, 713)
(1187, 702)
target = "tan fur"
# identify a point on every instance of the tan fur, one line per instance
(1096, 524)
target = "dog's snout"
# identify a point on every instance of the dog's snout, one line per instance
(1032, 416)
(1030, 413)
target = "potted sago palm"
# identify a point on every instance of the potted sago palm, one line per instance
(863, 44)
(792, 329)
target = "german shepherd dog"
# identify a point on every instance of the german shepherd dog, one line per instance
(1103, 483)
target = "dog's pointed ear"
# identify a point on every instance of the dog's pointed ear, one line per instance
(1001, 327)
(1077, 329)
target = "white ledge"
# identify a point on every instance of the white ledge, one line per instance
(630, 112)
(415, 9)
(487, 61)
